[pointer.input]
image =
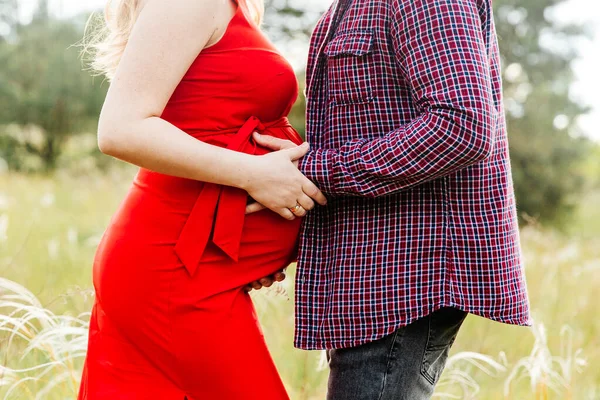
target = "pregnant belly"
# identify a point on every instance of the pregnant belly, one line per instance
(142, 236)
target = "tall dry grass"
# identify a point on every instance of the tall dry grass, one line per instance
(41, 351)
(49, 230)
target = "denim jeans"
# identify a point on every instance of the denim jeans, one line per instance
(405, 365)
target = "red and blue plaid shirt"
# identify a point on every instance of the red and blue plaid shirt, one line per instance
(408, 135)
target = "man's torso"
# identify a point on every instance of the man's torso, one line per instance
(370, 265)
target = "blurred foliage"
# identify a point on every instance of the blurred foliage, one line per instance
(297, 116)
(592, 167)
(44, 91)
(290, 20)
(8, 17)
(547, 157)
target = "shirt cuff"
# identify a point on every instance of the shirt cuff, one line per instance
(317, 165)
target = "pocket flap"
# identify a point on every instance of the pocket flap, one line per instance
(350, 43)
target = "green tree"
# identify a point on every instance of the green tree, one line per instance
(8, 17)
(288, 20)
(44, 90)
(537, 57)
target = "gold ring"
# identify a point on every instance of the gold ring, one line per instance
(296, 208)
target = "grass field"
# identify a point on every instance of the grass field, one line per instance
(49, 229)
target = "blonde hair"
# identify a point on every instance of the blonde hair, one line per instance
(106, 37)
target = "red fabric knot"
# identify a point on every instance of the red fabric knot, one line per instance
(219, 212)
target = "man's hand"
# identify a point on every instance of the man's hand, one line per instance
(273, 143)
(266, 281)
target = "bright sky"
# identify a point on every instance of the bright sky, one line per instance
(587, 87)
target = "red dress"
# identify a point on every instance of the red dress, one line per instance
(171, 318)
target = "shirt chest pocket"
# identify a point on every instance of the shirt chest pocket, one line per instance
(350, 68)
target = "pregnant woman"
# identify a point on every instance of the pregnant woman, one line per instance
(191, 81)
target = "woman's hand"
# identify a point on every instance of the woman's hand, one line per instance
(276, 183)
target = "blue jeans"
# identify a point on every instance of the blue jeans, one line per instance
(405, 365)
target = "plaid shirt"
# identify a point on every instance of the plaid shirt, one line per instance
(408, 137)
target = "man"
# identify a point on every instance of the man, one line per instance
(408, 140)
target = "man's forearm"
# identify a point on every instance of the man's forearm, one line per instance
(429, 147)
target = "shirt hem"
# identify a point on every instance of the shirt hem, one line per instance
(525, 321)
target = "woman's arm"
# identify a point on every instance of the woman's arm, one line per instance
(167, 38)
